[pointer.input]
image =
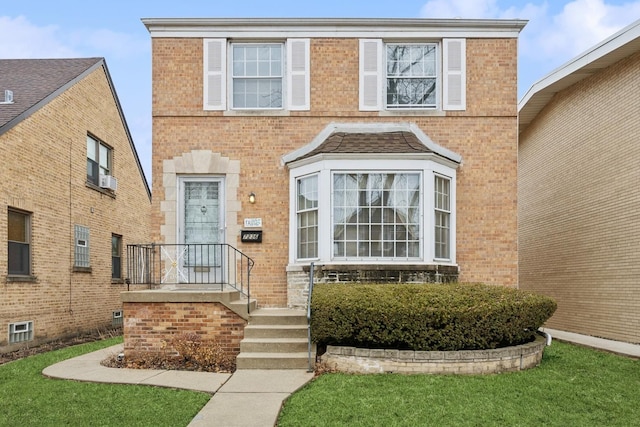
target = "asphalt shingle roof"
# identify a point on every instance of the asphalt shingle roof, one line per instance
(33, 80)
(370, 142)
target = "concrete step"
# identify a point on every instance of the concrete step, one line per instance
(278, 316)
(275, 331)
(239, 306)
(297, 360)
(273, 345)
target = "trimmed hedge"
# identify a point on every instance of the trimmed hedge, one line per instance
(426, 317)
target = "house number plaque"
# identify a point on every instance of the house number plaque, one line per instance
(251, 236)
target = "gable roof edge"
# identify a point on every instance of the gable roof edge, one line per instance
(44, 101)
(614, 48)
(126, 128)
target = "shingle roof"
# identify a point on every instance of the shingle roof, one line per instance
(374, 142)
(34, 82)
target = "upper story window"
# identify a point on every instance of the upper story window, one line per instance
(99, 160)
(273, 75)
(19, 237)
(395, 76)
(257, 73)
(411, 76)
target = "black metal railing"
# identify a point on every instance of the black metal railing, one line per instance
(309, 344)
(213, 266)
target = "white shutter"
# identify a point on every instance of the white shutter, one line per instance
(371, 78)
(215, 81)
(298, 80)
(454, 74)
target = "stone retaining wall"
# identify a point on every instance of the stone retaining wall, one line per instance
(370, 361)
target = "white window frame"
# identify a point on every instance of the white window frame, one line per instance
(305, 210)
(234, 79)
(437, 76)
(218, 75)
(325, 168)
(450, 76)
(103, 160)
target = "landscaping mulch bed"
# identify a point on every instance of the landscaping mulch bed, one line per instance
(58, 344)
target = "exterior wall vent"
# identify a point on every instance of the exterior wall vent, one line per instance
(20, 332)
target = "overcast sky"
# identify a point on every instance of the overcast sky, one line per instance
(557, 31)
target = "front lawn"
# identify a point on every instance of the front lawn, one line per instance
(573, 386)
(29, 399)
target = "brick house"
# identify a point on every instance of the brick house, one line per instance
(578, 222)
(73, 195)
(378, 149)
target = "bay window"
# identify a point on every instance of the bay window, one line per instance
(359, 211)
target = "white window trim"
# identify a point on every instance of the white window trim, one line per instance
(218, 79)
(438, 77)
(325, 168)
(372, 73)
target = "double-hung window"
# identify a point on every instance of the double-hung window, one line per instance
(99, 160)
(257, 74)
(411, 75)
(116, 256)
(429, 75)
(442, 207)
(307, 216)
(19, 237)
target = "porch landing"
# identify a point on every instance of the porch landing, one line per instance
(230, 298)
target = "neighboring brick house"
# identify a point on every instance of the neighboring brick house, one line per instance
(72, 194)
(579, 190)
(378, 149)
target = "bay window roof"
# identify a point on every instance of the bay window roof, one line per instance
(342, 139)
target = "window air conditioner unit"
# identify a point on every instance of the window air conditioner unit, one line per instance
(107, 181)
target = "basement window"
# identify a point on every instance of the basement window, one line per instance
(20, 332)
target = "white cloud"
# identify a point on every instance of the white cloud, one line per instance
(550, 38)
(580, 25)
(50, 41)
(31, 41)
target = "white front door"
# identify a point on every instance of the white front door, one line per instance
(201, 229)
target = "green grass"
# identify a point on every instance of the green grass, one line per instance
(573, 386)
(29, 399)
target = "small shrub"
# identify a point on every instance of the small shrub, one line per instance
(201, 355)
(190, 353)
(426, 317)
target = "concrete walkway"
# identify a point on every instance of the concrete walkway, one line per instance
(618, 347)
(246, 398)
